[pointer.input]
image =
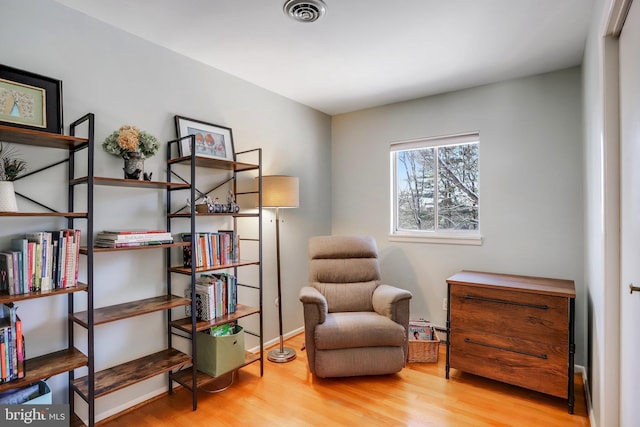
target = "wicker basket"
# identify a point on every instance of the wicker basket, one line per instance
(424, 351)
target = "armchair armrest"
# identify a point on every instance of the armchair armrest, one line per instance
(392, 302)
(315, 305)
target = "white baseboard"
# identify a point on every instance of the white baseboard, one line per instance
(587, 394)
(276, 340)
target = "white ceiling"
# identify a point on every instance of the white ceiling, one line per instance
(362, 53)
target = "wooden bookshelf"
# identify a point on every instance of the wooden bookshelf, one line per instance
(130, 309)
(48, 365)
(184, 324)
(127, 374)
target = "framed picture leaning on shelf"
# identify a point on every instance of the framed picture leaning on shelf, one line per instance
(211, 140)
(30, 101)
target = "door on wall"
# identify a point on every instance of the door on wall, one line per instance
(630, 217)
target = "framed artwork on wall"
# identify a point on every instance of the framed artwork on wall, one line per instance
(30, 101)
(211, 140)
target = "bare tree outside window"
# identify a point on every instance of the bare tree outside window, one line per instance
(437, 187)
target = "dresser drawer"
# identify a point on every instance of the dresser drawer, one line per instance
(533, 365)
(534, 317)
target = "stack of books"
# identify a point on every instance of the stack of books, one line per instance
(213, 249)
(41, 261)
(129, 238)
(216, 296)
(12, 352)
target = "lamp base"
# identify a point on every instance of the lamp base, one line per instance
(280, 356)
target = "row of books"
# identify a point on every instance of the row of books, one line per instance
(421, 330)
(212, 248)
(12, 351)
(129, 238)
(40, 261)
(216, 296)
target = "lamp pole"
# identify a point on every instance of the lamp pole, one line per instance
(281, 354)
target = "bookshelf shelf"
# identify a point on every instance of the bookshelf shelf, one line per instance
(39, 138)
(130, 309)
(216, 163)
(236, 215)
(184, 324)
(132, 372)
(136, 248)
(131, 183)
(6, 299)
(187, 270)
(45, 366)
(184, 377)
(46, 214)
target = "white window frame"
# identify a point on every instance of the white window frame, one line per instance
(461, 237)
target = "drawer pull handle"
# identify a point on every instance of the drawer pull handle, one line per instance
(539, 356)
(500, 301)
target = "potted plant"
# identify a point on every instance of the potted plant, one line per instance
(133, 145)
(10, 168)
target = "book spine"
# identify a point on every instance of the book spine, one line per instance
(134, 237)
(78, 240)
(16, 272)
(4, 274)
(3, 357)
(31, 280)
(20, 348)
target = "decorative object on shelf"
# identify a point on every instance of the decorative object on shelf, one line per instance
(10, 168)
(133, 145)
(30, 101)
(212, 141)
(279, 191)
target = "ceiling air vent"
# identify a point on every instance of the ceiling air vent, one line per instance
(305, 10)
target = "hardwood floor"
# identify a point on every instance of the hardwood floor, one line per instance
(288, 395)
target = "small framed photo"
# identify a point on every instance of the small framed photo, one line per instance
(211, 140)
(30, 101)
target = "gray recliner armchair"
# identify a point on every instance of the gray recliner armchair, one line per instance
(354, 325)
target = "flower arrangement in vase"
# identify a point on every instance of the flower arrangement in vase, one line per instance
(10, 168)
(133, 145)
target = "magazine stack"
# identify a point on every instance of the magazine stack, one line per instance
(132, 238)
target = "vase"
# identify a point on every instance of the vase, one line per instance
(133, 165)
(8, 201)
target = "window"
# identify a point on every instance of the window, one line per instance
(435, 189)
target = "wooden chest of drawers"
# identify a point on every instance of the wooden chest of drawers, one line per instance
(514, 329)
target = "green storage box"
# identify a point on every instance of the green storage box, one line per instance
(219, 355)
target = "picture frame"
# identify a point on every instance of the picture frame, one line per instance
(212, 141)
(30, 101)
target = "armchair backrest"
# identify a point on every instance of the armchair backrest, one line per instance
(345, 270)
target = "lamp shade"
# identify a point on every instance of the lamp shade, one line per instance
(280, 191)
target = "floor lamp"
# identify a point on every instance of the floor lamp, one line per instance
(279, 191)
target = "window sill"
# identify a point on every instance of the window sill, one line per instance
(441, 238)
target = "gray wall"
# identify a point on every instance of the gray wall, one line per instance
(531, 188)
(126, 80)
